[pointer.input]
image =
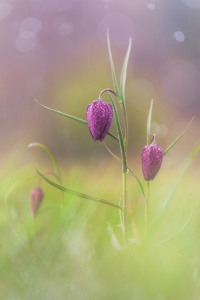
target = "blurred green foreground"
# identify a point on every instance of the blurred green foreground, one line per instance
(77, 252)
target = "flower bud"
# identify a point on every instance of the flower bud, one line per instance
(152, 156)
(99, 116)
(36, 198)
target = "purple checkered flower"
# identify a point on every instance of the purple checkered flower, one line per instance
(99, 116)
(152, 157)
(36, 198)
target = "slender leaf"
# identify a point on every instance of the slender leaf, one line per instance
(115, 156)
(149, 123)
(113, 69)
(73, 118)
(84, 196)
(139, 183)
(54, 161)
(16, 185)
(176, 234)
(119, 130)
(128, 168)
(123, 76)
(178, 138)
(114, 239)
(191, 157)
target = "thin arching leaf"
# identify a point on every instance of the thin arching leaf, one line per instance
(149, 123)
(139, 183)
(115, 156)
(119, 130)
(113, 237)
(78, 194)
(15, 185)
(178, 138)
(123, 76)
(176, 234)
(191, 157)
(54, 161)
(113, 69)
(128, 168)
(73, 118)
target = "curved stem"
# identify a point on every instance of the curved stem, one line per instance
(107, 90)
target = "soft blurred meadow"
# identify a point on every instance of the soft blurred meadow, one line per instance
(56, 51)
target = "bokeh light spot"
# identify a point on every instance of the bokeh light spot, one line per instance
(163, 131)
(26, 41)
(5, 9)
(151, 6)
(31, 25)
(192, 3)
(154, 128)
(179, 36)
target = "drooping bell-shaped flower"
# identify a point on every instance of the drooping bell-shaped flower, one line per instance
(152, 157)
(36, 198)
(99, 116)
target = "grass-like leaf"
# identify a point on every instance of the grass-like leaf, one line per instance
(128, 168)
(115, 156)
(139, 183)
(191, 157)
(54, 161)
(15, 185)
(176, 234)
(178, 138)
(149, 123)
(78, 194)
(73, 118)
(119, 130)
(123, 76)
(113, 69)
(114, 239)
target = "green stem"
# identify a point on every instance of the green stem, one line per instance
(125, 205)
(146, 208)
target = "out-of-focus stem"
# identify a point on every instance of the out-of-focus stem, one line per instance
(146, 208)
(125, 206)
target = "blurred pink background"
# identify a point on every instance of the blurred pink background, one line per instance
(55, 51)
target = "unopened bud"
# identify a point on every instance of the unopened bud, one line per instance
(36, 198)
(152, 157)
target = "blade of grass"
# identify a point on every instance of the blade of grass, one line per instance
(54, 161)
(114, 239)
(123, 76)
(113, 69)
(178, 138)
(191, 157)
(176, 234)
(128, 168)
(139, 184)
(81, 195)
(73, 118)
(149, 123)
(16, 185)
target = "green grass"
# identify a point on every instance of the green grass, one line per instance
(70, 253)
